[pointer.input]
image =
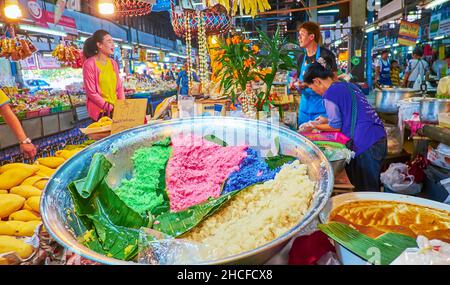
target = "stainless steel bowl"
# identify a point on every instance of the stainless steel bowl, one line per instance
(57, 206)
(338, 166)
(386, 100)
(431, 107)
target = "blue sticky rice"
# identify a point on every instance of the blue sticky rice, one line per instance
(253, 170)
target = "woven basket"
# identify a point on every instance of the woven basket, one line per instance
(217, 21)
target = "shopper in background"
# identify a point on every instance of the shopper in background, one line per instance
(349, 113)
(26, 146)
(395, 73)
(183, 81)
(311, 103)
(439, 66)
(102, 82)
(416, 71)
(383, 70)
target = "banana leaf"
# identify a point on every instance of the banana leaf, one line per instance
(178, 223)
(380, 251)
(277, 161)
(114, 222)
(216, 140)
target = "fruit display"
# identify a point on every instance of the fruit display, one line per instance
(69, 55)
(246, 7)
(21, 188)
(133, 84)
(16, 49)
(103, 122)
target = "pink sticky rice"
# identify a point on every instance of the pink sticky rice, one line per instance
(197, 170)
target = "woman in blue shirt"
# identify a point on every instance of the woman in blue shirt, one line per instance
(183, 81)
(349, 113)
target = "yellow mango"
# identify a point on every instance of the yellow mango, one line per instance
(18, 228)
(24, 216)
(14, 177)
(40, 184)
(26, 207)
(52, 162)
(9, 203)
(31, 180)
(26, 191)
(46, 170)
(4, 192)
(33, 203)
(12, 244)
(10, 166)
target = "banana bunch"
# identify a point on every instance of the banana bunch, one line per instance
(246, 7)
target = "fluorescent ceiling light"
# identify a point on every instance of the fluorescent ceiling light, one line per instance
(254, 39)
(127, 47)
(395, 45)
(371, 29)
(238, 29)
(197, 4)
(42, 30)
(387, 46)
(439, 38)
(118, 40)
(434, 3)
(244, 16)
(328, 25)
(153, 51)
(246, 32)
(328, 11)
(47, 54)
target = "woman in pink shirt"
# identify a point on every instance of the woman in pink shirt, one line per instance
(102, 82)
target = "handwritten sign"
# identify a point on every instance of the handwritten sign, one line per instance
(408, 33)
(128, 114)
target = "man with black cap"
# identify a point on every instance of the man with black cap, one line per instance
(383, 70)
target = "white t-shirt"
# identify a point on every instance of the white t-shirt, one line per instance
(416, 68)
(380, 61)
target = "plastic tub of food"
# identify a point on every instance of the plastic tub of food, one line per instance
(444, 120)
(327, 136)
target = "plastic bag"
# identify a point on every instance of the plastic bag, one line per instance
(398, 180)
(160, 249)
(440, 156)
(434, 252)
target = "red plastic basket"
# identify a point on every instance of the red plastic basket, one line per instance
(44, 111)
(32, 114)
(327, 136)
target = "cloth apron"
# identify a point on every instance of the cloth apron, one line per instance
(385, 74)
(311, 103)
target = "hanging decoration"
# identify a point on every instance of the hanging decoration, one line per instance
(133, 7)
(246, 7)
(202, 46)
(188, 49)
(69, 55)
(217, 20)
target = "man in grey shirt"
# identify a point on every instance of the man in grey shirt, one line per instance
(417, 68)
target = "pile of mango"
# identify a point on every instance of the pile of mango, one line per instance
(21, 187)
(102, 122)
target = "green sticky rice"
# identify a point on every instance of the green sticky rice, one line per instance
(143, 192)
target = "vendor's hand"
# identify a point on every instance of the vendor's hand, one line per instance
(29, 150)
(319, 121)
(306, 127)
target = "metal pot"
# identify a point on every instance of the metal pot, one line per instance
(431, 107)
(57, 207)
(387, 99)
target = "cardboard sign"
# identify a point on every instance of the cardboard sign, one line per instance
(408, 34)
(128, 114)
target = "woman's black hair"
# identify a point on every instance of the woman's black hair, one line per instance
(317, 70)
(90, 45)
(418, 51)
